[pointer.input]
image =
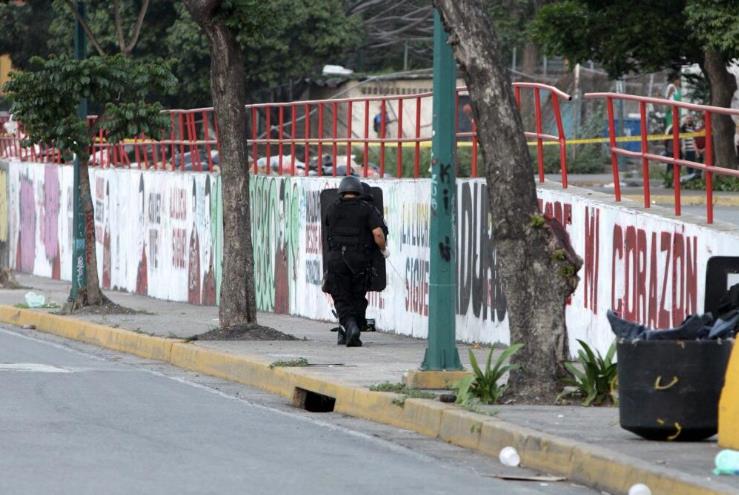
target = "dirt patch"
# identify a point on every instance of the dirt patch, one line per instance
(244, 332)
(8, 281)
(108, 308)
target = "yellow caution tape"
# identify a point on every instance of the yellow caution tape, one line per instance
(389, 144)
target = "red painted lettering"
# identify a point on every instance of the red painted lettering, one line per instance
(618, 249)
(663, 318)
(592, 245)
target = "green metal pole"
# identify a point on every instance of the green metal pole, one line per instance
(441, 348)
(79, 273)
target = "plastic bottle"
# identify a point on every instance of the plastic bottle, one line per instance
(509, 457)
(640, 489)
(727, 462)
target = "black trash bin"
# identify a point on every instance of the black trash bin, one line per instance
(670, 389)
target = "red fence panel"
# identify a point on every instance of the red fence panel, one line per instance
(676, 161)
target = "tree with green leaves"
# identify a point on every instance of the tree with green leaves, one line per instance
(24, 30)
(221, 21)
(45, 100)
(251, 41)
(633, 36)
(285, 43)
(536, 261)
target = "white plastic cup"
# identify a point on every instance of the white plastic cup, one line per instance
(640, 489)
(509, 457)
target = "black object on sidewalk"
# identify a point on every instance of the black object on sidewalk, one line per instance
(669, 390)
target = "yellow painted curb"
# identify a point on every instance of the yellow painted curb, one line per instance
(433, 380)
(588, 464)
(685, 199)
(145, 346)
(462, 428)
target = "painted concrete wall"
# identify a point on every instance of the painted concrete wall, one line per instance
(158, 234)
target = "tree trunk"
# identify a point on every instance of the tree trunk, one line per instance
(90, 295)
(723, 86)
(536, 262)
(238, 305)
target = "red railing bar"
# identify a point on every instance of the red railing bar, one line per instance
(662, 101)
(365, 160)
(473, 167)
(644, 150)
(349, 154)
(399, 171)
(292, 143)
(319, 150)
(268, 133)
(614, 157)
(676, 156)
(709, 166)
(206, 135)
(334, 134)
(383, 118)
(254, 133)
(539, 143)
(562, 140)
(280, 134)
(417, 154)
(537, 87)
(182, 143)
(171, 143)
(306, 113)
(672, 161)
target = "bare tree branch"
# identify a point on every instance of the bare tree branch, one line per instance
(86, 27)
(118, 25)
(137, 26)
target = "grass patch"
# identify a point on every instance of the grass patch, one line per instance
(403, 390)
(43, 306)
(290, 363)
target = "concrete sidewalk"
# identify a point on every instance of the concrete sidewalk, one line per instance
(633, 188)
(584, 444)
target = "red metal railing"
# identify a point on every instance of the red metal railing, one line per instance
(392, 134)
(675, 160)
(540, 137)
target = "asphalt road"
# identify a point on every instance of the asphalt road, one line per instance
(75, 419)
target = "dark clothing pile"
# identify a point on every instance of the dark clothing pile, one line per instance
(694, 327)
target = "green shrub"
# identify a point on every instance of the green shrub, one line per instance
(596, 378)
(483, 386)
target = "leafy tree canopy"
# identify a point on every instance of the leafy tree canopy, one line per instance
(101, 19)
(45, 98)
(281, 40)
(715, 24)
(623, 35)
(631, 35)
(24, 30)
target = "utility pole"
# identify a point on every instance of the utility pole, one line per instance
(79, 273)
(441, 347)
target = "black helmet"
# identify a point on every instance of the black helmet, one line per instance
(350, 184)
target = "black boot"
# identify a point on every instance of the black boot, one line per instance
(352, 333)
(342, 337)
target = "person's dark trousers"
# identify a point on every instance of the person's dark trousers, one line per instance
(349, 287)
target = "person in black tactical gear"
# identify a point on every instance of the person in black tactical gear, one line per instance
(367, 196)
(354, 229)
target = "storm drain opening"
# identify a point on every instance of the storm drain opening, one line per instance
(313, 401)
